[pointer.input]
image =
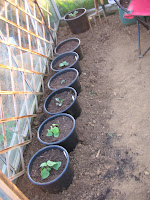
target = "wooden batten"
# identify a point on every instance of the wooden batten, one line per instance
(22, 70)
(10, 189)
(20, 92)
(25, 49)
(16, 118)
(45, 10)
(15, 146)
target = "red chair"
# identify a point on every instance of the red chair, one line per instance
(136, 9)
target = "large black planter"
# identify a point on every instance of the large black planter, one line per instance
(75, 65)
(69, 142)
(78, 24)
(74, 109)
(74, 84)
(77, 49)
(62, 181)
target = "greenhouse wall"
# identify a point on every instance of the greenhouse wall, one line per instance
(26, 44)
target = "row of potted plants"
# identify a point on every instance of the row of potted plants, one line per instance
(50, 167)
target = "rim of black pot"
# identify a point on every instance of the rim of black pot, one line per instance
(77, 16)
(51, 118)
(63, 55)
(60, 72)
(50, 95)
(41, 150)
(64, 41)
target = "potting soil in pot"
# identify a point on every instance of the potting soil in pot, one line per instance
(69, 59)
(54, 155)
(65, 125)
(67, 96)
(63, 80)
(67, 46)
(78, 14)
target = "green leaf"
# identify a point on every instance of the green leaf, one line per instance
(48, 169)
(63, 82)
(44, 173)
(57, 99)
(58, 104)
(61, 101)
(61, 65)
(65, 63)
(44, 164)
(55, 124)
(55, 130)
(51, 163)
(57, 165)
(49, 133)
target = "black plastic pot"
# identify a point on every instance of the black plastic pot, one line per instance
(74, 84)
(74, 109)
(62, 181)
(78, 24)
(69, 142)
(75, 65)
(77, 49)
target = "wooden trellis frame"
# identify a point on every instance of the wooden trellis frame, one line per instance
(21, 69)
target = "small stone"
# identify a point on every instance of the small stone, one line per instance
(98, 172)
(94, 121)
(84, 73)
(97, 155)
(146, 173)
(90, 123)
(79, 145)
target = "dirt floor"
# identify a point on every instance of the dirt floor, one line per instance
(111, 161)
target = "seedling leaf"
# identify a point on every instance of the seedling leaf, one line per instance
(57, 165)
(61, 65)
(55, 130)
(60, 101)
(63, 82)
(64, 63)
(55, 124)
(49, 133)
(44, 164)
(48, 169)
(73, 14)
(44, 173)
(51, 163)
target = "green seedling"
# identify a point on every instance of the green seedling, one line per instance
(63, 82)
(46, 167)
(59, 101)
(73, 14)
(53, 131)
(63, 64)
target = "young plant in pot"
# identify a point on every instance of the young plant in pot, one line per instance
(69, 45)
(63, 100)
(50, 169)
(65, 78)
(77, 20)
(65, 61)
(58, 130)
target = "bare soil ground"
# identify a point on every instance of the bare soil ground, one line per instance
(111, 161)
